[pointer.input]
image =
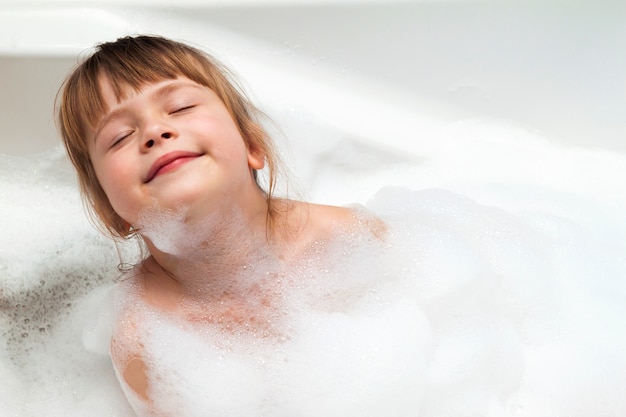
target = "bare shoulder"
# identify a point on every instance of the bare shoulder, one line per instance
(329, 220)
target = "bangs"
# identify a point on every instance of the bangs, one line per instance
(127, 71)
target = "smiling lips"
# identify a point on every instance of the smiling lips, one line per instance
(168, 162)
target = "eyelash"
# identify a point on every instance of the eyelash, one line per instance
(181, 109)
(118, 140)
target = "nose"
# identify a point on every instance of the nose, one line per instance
(156, 133)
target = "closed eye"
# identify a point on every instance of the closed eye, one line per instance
(183, 109)
(120, 138)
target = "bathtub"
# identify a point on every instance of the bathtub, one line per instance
(519, 106)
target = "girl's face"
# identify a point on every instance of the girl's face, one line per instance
(172, 145)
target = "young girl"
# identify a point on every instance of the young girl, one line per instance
(168, 149)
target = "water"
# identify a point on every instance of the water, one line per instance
(499, 291)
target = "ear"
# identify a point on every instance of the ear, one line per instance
(256, 157)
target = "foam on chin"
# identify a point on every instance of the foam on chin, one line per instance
(165, 228)
(172, 232)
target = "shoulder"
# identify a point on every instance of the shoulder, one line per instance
(326, 221)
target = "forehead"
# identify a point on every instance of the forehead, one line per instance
(106, 94)
(97, 96)
(112, 94)
(111, 91)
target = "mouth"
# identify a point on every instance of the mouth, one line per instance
(169, 162)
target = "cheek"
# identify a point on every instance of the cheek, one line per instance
(107, 174)
(219, 129)
(113, 176)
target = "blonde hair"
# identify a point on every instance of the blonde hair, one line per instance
(133, 62)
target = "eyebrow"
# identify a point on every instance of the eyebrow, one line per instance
(157, 94)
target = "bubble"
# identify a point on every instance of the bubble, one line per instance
(501, 294)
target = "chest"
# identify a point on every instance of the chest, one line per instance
(346, 363)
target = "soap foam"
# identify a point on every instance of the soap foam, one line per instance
(342, 344)
(502, 294)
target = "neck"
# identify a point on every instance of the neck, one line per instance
(209, 256)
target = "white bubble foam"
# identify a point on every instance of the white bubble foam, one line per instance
(502, 297)
(50, 258)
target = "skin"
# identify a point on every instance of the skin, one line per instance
(173, 115)
(213, 194)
